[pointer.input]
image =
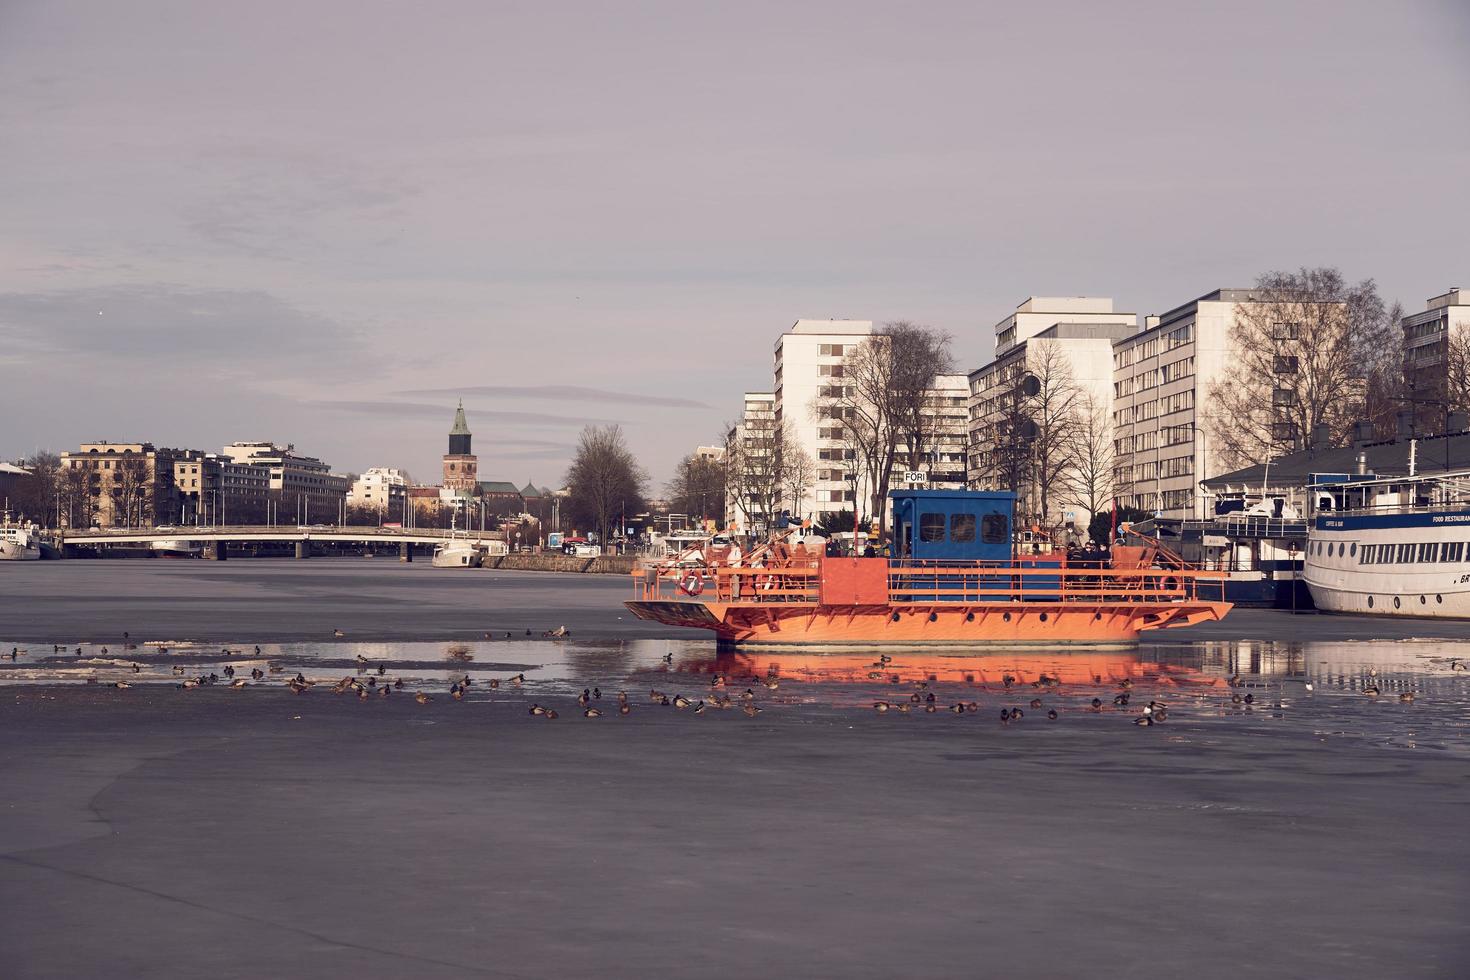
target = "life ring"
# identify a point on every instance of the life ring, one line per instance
(692, 584)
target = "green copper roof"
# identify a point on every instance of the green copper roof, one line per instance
(529, 490)
(461, 427)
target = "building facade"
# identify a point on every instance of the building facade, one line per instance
(214, 489)
(114, 484)
(379, 488)
(747, 457)
(1435, 356)
(302, 488)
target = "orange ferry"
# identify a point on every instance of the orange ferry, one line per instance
(954, 581)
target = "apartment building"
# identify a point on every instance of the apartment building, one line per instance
(302, 486)
(380, 488)
(1076, 359)
(116, 484)
(214, 489)
(1039, 313)
(747, 457)
(1427, 365)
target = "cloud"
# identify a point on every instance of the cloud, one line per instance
(230, 331)
(573, 393)
(421, 410)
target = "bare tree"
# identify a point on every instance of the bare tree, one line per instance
(882, 400)
(35, 494)
(1055, 409)
(798, 472)
(1090, 483)
(130, 490)
(1455, 382)
(698, 487)
(604, 479)
(1302, 352)
(755, 473)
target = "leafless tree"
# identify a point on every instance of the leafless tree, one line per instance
(604, 479)
(698, 488)
(130, 490)
(35, 494)
(1303, 349)
(798, 472)
(1056, 409)
(882, 400)
(755, 472)
(1090, 482)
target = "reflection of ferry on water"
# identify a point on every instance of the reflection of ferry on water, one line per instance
(1393, 546)
(954, 579)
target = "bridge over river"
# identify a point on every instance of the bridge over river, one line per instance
(217, 540)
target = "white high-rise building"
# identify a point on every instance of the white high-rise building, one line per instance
(747, 445)
(1426, 353)
(380, 488)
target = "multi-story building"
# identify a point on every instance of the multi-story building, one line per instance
(1039, 313)
(122, 484)
(1075, 361)
(382, 489)
(214, 489)
(301, 487)
(1429, 364)
(749, 444)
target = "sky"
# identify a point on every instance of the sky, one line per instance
(323, 223)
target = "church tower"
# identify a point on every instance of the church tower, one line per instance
(460, 462)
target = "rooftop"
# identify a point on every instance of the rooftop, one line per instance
(1389, 458)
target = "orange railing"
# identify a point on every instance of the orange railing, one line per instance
(921, 582)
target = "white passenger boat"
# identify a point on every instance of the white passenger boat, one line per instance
(1395, 546)
(457, 553)
(19, 542)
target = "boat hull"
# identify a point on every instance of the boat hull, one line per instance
(938, 623)
(16, 551)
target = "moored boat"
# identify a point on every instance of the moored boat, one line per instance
(1394, 546)
(19, 542)
(954, 580)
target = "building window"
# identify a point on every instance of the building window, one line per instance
(1285, 331)
(1283, 398)
(1286, 364)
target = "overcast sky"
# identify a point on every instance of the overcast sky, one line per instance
(322, 223)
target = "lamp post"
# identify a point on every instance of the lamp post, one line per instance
(852, 478)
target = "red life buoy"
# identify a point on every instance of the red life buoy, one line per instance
(693, 584)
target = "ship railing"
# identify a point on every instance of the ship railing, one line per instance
(977, 582)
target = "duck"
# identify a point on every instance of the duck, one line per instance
(122, 685)
(1235, 699)
(257, 649)
(622, 697)
(681, 702)
(591, 713)
(973, 708)
(338, 633)
(549, 713)
(398, 683)
(1371, 691)
(518, 680)
(382, 670)
(558, 633)
(362, 694)
(1036, 702)
(240, 683)
(771, 683)
(423, 698)
(1121, 700)
(536, 709)
(880, 706)
(295, 687)
(699, 708)
(957, 708)
(383, 691)
(625, 708)
(597, 694)
(1250, 698)
(1143, 720)
(137, 668)
(1051, 715)
(1017, 714)
(751, 710)
(1458, 665)
(931, 708)
(585, 698)
(1005, 716)
(456, 692)
(914, 698)
(189, 684)
(1407, 697)
(902, 707)
(1096, 704)
(1007, 680)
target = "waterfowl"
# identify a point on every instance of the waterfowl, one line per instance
(622, 697)
(1052, 715)
(550, 713)
(1005, 716)
(972, 708)
(536, 709)
(257, 649)
(874, 675)
(1457, 665)
(383, 691)
(104, 651)
(137, 668)
(902, 707)
(1036, 702)
(914, 698)
(1144, 720)
(558, 633)
(122, 685)
(362, 694)
(597, 694)
(240, 683)
(456, 692)
(495, 683)
(1126, 683)
(1407, 697)
(655, 696)
(625, 708)
(518, 680)
(372, 682)
(1121, 700)
(1007, 680)
(423, 698)
(592, 713)
(958, 708)
(584, 698)
(751, 710)
(1017, 714)
(1371, 691)
(930, 709)
(338, 633)
(229, 671)
(880, 706)
(1096, 704)
(528, 632)
(398, 683)
(771, 683)
(699, 708)
(1249, 698)
(382, 670)
(189, 684)
(681, 702)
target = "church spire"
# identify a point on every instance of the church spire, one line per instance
(461, 427)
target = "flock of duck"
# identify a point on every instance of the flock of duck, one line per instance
(371, 682)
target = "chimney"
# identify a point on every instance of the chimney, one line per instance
(1362, 433)
(1321, 436)
(1457, 422)
(1406, 425)
(1362, 464)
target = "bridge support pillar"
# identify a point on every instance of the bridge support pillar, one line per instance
(405, 552)
(303, 549)
(221, 551)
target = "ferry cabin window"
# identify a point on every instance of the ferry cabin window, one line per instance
(1452, 551)
(931, 527)
(961, 527)
(1429, 551)
(1406, 554)
(1365, 557)
(994, 529)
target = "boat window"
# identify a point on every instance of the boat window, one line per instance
(1452, 551)
(1429, 551)
(1353, 550)
(994, 529)
(1366, 556)
(931, 527)
(1406, 554)
(962, 527)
